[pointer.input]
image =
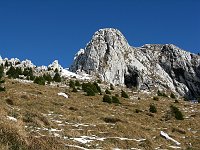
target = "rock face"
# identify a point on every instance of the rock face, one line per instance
(55, 65)
(109, 56)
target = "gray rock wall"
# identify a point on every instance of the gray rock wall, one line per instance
(109, 56)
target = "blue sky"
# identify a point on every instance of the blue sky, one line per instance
(45, 30)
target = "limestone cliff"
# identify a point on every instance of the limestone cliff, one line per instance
(109, 56)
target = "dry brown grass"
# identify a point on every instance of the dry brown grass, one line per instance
(39, 110)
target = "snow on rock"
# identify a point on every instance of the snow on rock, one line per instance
(17, 63)
(165, 135)
(26, 64)
(81, 76)
(80, 52)
(12, 118)
(14, 61)
(55, 65)
(63, 94)
(67, 73)
(42, 68)
(1, 60)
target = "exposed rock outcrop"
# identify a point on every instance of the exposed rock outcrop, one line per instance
(109, 56)
(55, 65)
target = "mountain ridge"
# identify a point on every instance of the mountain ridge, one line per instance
(165, 66)
(41, 70)
(109, 57)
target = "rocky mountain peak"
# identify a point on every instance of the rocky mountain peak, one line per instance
(152, 66)
(55, 65)
(110, 36)
(105, 46)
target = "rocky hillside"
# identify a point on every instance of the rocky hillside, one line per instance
(51, 69)
(109, 56)
(56, 117)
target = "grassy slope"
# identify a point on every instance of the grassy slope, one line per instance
(39, 111)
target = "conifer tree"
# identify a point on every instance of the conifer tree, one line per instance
(71, 84)
(1, 81)
(57, 77)
(124, 94)
(112, 87)
(56, 70)
(6, 64)
(77, 83)
(28, 72)
(39, 80)
(12, 73)
(47, 77)
(107, 91)
(107, 99)
(97, 87)
(90, 92)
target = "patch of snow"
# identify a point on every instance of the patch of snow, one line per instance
(1, 60)
(26, 64)
(55, 130)
(61, 124)
(68, 123)
(169, 138)
(79, 147)
(146, 92)
(41, 68)
(175, 147)
(56, 135)
(127, 139)
(88, 139)
(158, 148)
(83, 125)
(12, 118)
(80, 52)
(45, 129)
(194, 132)
(63, 94)
(23, 81)
(55, 65)
(77, 129)
(83, 140)
(67, 73)
(57, 121)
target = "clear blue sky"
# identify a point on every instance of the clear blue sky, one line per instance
(45, 30)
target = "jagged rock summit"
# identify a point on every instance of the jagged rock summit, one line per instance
(163, 66)
(55, 65)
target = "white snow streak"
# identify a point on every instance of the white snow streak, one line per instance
(169, 138)
(63, 94)
(12, 118)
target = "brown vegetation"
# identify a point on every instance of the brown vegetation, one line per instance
(48, 121)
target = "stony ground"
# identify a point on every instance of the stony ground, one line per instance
(35, 117)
